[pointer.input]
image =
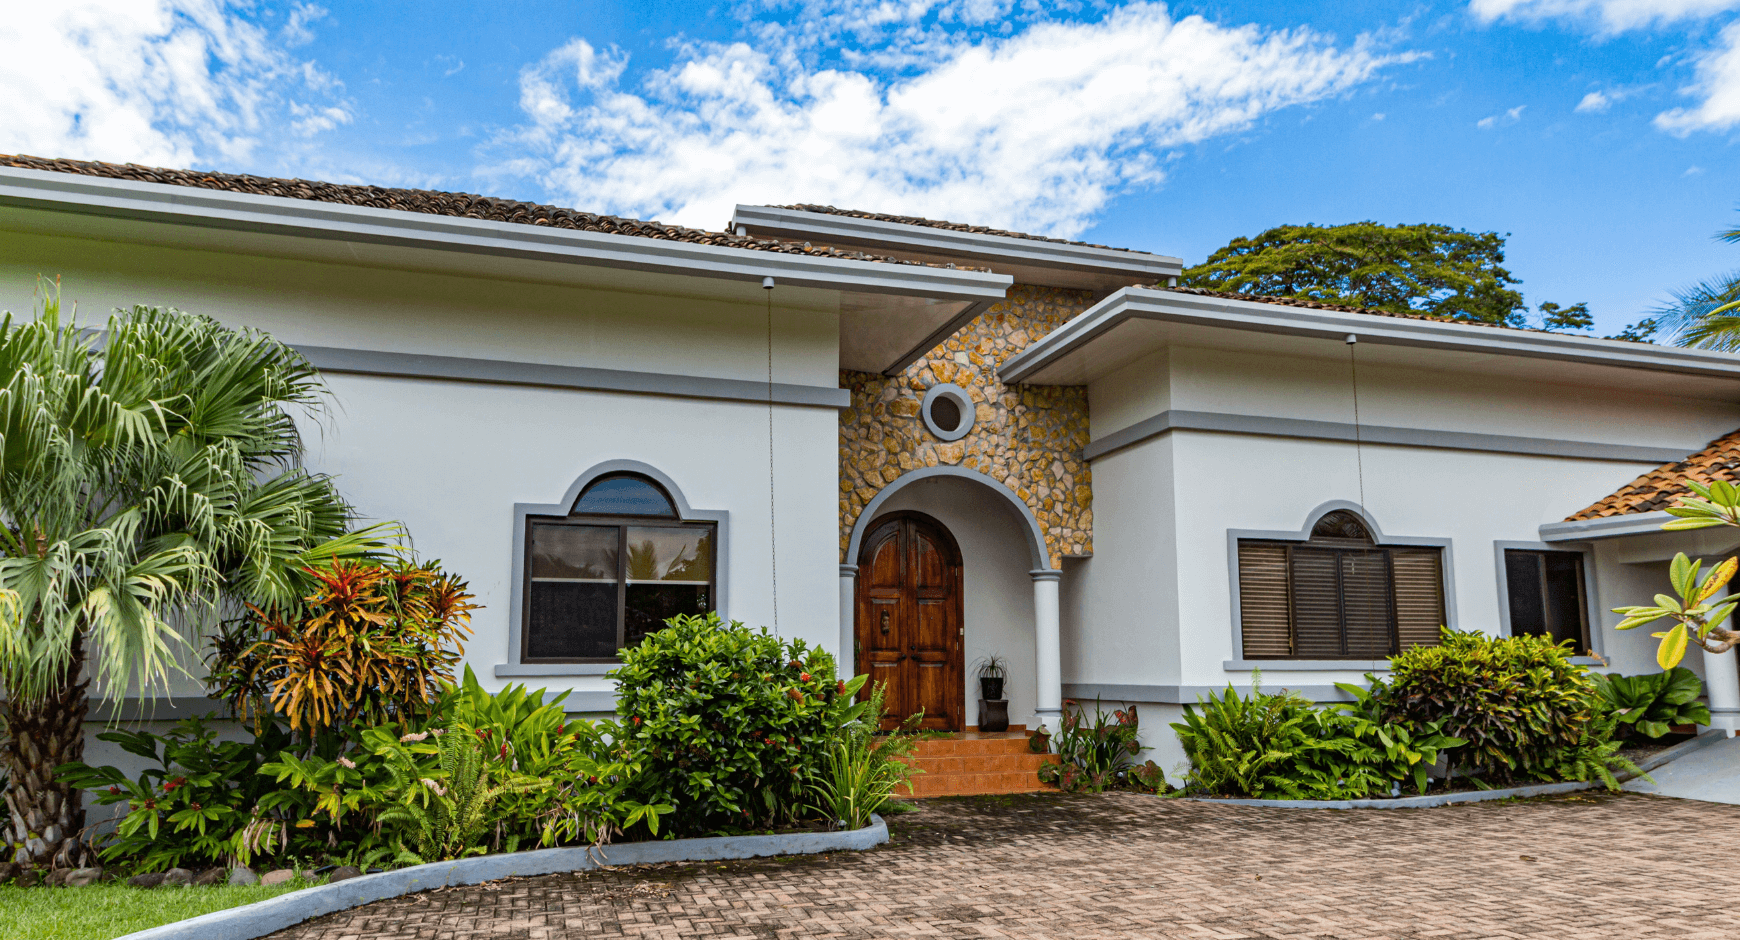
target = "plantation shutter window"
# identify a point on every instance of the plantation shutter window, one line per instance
(612, 571)
(1547, 595)
(1337, 595)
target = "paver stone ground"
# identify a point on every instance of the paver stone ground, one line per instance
(1126, 865)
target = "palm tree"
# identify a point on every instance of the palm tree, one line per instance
(1705, 314)
(150, 480)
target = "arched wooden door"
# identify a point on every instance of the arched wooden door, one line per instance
(909, 624)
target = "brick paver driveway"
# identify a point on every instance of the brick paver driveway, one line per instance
(1122, 865)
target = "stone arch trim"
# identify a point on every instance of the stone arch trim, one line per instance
(1036, 547)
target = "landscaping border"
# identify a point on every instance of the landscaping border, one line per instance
(274, 914)
(1479, 796)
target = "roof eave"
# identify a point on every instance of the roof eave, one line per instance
(1172, 306)
(1604, 527)
(207, 208)
(859, 232)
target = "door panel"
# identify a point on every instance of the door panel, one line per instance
(909, 620)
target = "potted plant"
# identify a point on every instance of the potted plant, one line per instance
(992, 670)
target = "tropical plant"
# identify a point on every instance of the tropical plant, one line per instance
(1594, 755)
(1094, 755)
(1698, 614)
(1705, 314)
(184, 811)
(1516, 701)
(1429, 269)
(1241, 746)
(991, 666)
(1403, 751)
(148, 475)
(864, 768)
(445, 815)
(373, 643)
(729, 725)
(1652, 704)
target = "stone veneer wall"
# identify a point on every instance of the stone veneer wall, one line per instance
(1028, 438)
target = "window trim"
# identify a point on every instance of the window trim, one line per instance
(1591, 588)
(1379, 539)
(516, 665)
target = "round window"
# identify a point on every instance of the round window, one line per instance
(947, 412)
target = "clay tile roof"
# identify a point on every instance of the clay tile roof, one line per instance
(1318, 305)
(432, 202)
(952, 226)
(1660, 488)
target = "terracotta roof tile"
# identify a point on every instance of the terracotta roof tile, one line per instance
(432, 202)
(951, 226)
(1662, 487)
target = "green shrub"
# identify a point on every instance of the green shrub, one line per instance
(185, 811)
(863, 772)
(729, 725)
(1651, 704)
(1518, 701)
(1280, 746)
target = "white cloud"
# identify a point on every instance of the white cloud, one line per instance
(166, 82)
(1498, 120)
(1036, 131)
(1594, 103)
(1718, 83)
(1607, 16)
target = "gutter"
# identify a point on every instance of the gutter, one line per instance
(1605, 527)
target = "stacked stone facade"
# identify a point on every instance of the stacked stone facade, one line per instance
(1027, 438)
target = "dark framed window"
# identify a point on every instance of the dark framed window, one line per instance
(613, 570)
(1338, 594)
(1548, 595)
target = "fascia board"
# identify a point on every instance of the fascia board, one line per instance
(844, 229)
(1605, 527)
(184, 205)
(1170, 306)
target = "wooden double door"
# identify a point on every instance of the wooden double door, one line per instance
(909, 626)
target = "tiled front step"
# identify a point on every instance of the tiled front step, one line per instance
(928, 785)
(976, 763)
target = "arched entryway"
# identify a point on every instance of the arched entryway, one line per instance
(909, 619)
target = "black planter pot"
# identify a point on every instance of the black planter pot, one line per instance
(991, 687)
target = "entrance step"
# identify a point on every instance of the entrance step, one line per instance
(975, 763)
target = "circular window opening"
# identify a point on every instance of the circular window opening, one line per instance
(947, 412)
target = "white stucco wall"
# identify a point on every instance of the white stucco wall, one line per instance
(450, 459)
(998, 594)
(1152, 608)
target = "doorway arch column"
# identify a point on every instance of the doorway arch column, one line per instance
(1047, 649)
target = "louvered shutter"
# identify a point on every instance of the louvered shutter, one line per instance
(1316, 603)
(1263, 619)
(1419, 578)
(1365, 604)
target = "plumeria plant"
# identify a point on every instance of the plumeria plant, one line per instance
(1698, 614)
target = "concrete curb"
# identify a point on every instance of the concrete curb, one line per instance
(264, 917)
(1480, 796)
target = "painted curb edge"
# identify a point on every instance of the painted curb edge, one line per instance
(250, 921)
(1681, 749)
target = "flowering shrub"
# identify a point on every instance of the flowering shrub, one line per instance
(731, 726)
(1101, 755)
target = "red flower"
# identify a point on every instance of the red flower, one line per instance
(841, 687)
(803, 677)
(637, 719)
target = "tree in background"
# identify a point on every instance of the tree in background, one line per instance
(149, 482)
(1428, 269)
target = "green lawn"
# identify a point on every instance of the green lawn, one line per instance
(105, 911)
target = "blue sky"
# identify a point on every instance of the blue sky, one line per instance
(1600, 134)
